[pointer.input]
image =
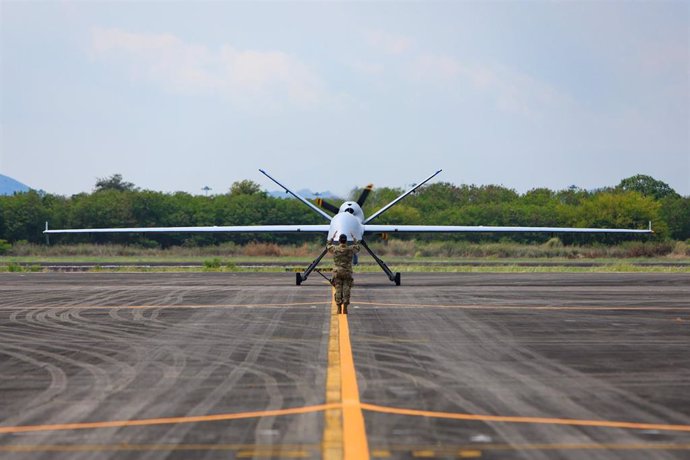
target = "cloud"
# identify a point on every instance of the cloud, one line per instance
(510, 89)
(250, 78)
(389, 43)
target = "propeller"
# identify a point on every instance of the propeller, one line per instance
(327, 206)
(365, 193)
(334, 209)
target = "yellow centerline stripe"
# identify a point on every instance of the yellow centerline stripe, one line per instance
(332, 446)
(167, 420)
(354, 433)
(515, 419)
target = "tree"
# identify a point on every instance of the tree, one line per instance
(647, 186)
(621, 210)
(244, 187)
(675, 211)
(24, 217)
(114, 182)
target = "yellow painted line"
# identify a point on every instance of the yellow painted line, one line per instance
(354, 433)
(332, 446)
(259, 453)
(603, 446)
(345, 430)
(526, 307)
(166, 420)
(514, 419)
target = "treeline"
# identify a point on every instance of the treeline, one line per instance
(116, 203)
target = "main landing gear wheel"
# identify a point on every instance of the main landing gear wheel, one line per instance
(298, 279)
(397, 278)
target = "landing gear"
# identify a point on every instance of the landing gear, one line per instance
(391, 276)
(394, 277)
(303, 276)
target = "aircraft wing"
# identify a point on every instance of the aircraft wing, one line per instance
(222, 229)
(490, 229)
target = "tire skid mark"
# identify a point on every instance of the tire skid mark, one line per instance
(57, 385)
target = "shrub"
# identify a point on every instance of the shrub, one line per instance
(212, 264)
(646, 249)
(14, 267)
(554, 243)
(681, 249)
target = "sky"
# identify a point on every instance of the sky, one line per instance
(176, 96)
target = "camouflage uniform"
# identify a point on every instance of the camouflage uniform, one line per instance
(342, 272)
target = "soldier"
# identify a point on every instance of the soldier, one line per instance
(342, 271)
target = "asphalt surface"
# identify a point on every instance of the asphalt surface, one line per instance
(230, 365)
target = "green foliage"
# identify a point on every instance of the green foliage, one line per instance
(647, 186)
(212, 264)
(4, 247)
(14, 267)
(24, 216)
(114, 182)
(117, 203)
(245, 187)
(620, 210)
(675, 212)
(554, 243)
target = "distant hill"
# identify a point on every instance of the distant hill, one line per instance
(306, 193)
(9, 186)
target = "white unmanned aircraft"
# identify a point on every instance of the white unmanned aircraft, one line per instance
(349, 220)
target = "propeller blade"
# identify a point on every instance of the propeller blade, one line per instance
(365, 193)
(327, 206)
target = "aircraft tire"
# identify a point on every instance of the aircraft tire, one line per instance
(397, 279)
(298, 279)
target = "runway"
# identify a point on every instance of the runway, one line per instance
(247, 365)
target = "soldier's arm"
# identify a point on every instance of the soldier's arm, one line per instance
(355, 244)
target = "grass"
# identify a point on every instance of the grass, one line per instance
(217, 265)
(408, 255)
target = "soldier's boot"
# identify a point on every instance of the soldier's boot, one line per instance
(345, 308)
(340, 308)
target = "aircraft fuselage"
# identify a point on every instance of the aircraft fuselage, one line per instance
(348, 221)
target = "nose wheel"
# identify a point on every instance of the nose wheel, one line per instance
(397, 278)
